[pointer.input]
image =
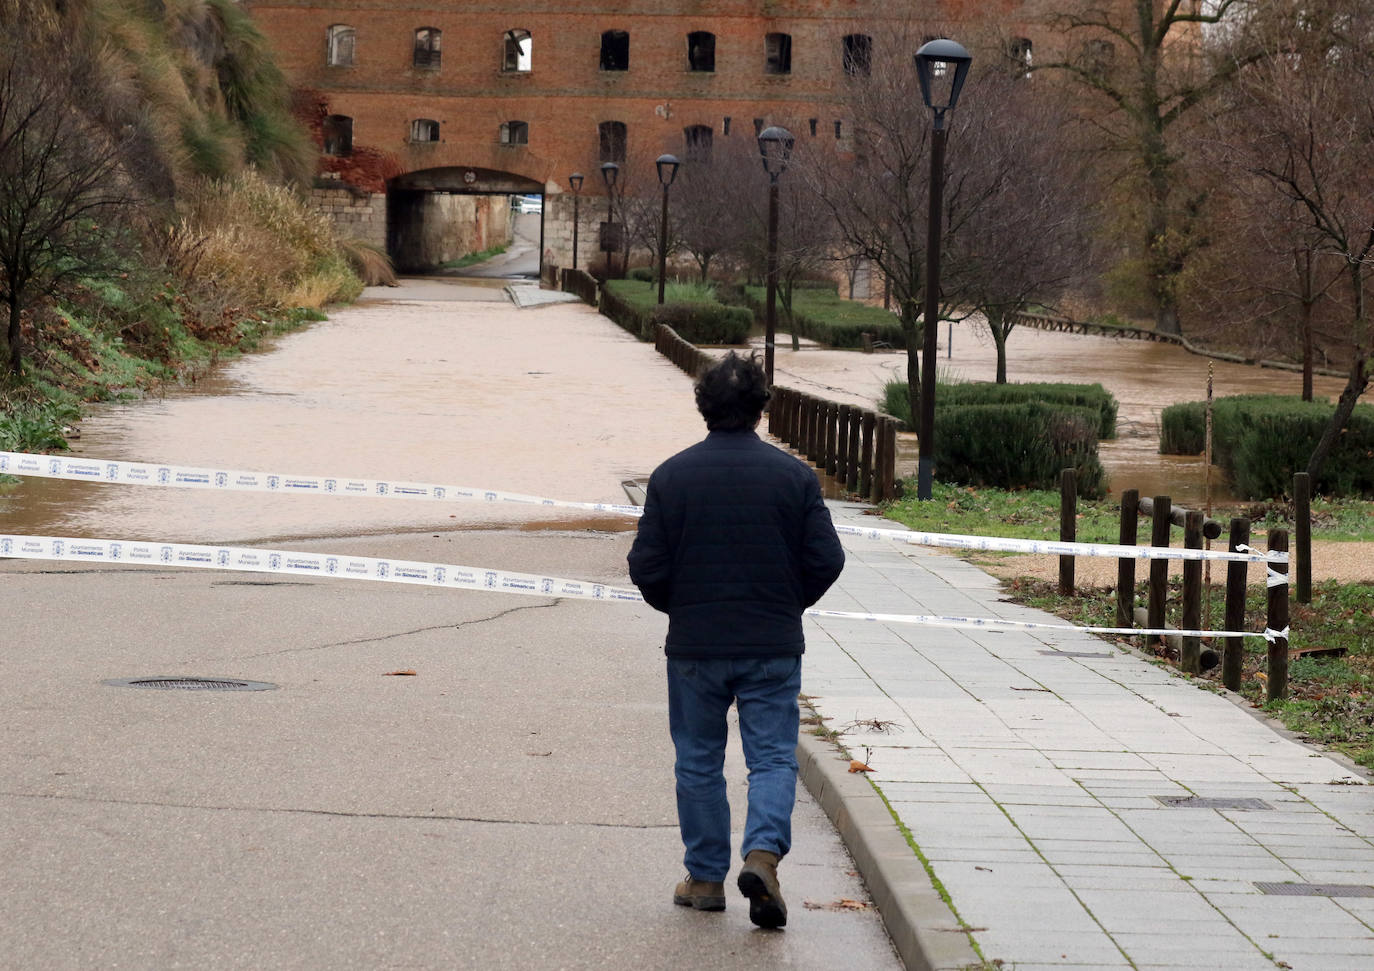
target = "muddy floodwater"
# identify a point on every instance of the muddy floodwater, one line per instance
(1145, 378)
(437, 382)
(445, 382)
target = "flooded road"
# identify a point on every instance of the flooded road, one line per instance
(438, 381)
(444, 381)
(1145, 378)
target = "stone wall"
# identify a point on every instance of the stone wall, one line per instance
(355, 214)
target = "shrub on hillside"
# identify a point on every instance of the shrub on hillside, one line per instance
(705, 323)
(821, 314)
(690, 309)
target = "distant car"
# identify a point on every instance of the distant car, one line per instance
(528, 204)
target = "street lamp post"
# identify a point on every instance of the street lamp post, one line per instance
(775, 146)
(609, 173)
(667, 171)
(941, 66)
(575, 181)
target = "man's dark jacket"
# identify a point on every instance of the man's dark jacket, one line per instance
(734, 544)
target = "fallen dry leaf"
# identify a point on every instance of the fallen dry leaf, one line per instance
(403, 673)
(856, 766)
(844, 903)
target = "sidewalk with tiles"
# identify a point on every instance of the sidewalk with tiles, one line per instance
(1082, 806)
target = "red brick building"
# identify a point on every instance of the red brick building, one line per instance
(476, 98)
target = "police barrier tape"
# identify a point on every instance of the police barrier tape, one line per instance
(237, 480)
(230, 480)
(253, 560)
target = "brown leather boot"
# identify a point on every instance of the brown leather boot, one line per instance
(700, 894)
(758, 880)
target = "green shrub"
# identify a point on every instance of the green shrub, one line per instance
(1091, 396)
(643, 274)
(705, 323)
(823, 315)
(1260, 441)
(1021, 445)
(693, 312)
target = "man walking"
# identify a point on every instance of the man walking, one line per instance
(734, 544)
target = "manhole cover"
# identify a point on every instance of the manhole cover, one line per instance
(1316, 889)
(1210, 802)
(191, 684)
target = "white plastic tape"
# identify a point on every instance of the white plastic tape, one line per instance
(1000, 544)
(253, 560)
(237, 480)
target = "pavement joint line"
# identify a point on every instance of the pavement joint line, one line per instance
(340, 813)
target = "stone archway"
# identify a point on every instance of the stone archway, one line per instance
(440, 214)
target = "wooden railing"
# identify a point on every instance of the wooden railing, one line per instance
(854, 446)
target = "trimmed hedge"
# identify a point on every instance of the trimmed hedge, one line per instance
(1015, 436)
(1091, 396)
(633, 304)
(1019, 446)
(1260, 441)
(821, 314)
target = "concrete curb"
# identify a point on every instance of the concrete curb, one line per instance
(924, 930)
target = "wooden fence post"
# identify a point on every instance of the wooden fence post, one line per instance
(1302, 536)
(842, 445)
(1125, 567)
(879, 460)
(866, 454)
(1277, 620)
(1068, 528)
(1159, 569)
(816, 445)
(851, 480)
(1190, 656)
(832, 419)
(888, 471)
(1233, 656)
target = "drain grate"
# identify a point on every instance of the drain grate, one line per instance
(1210, 802)
(191, 684)
(1316, 889)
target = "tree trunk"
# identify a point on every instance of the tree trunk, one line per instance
(1354, 387)
(16, 348)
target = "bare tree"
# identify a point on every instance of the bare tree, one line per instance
(1018, 202)
(1143, 61)
(1311, 136)
(62, 190)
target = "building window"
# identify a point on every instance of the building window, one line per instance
(611, 135)
(515, 133)
(427, 47)
(339, 48)
(698, 139)
(701, 51)
(777, 50)
(1019, 56)
(812, 123)
(424, 130)
(839, 129)
(1097, 56)
(858, 55)
(337, 132)
(725, 125)
(517, 51)
(615, 51)
(758, 126)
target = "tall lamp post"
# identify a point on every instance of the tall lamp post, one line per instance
(609, 173)
(667, 171)
(941, 65)
(775, 146)
(575, 182)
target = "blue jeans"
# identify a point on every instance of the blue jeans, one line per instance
(765, 693)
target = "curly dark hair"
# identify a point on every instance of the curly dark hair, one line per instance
(732, 393)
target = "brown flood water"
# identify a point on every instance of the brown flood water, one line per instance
(445, 382)
(438, 382)
(1145, 378)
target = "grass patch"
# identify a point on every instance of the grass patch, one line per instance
(1331, 699)
(1034, 514)
(480, 256)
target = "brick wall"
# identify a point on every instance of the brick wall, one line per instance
(360, 215)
